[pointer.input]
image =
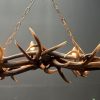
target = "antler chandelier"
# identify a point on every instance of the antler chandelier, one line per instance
(37, 56)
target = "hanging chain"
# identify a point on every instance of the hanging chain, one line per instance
(18, 24)
(63, 20)
(66, 26)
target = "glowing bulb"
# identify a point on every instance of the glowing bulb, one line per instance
(32, 48)
(74, 54)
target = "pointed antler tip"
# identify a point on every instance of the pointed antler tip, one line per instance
(31, 30)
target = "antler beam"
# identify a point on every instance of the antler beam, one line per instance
(39, 57)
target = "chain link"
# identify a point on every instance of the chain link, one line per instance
(66, 26)
(18, 25)
(63, 20)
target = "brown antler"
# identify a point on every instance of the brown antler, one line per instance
(44, 59)
(37, 56)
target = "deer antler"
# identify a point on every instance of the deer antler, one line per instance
(37, 56)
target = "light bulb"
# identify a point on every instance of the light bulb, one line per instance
(32, 48)
(74, 54)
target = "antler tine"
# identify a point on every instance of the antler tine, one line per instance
(38, 42)
(97, 49)
(53, 48)
(55, 62)
(19, 55)
(19, 70)
(91, 55)
(62, 75)
(13, 78)
(20, 48)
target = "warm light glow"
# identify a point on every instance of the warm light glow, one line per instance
(32, 48)
(74, 54)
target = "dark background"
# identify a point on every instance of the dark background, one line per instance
(84, 19)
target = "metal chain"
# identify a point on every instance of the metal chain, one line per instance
(63, 20)
(66, 26)
(18, 24)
